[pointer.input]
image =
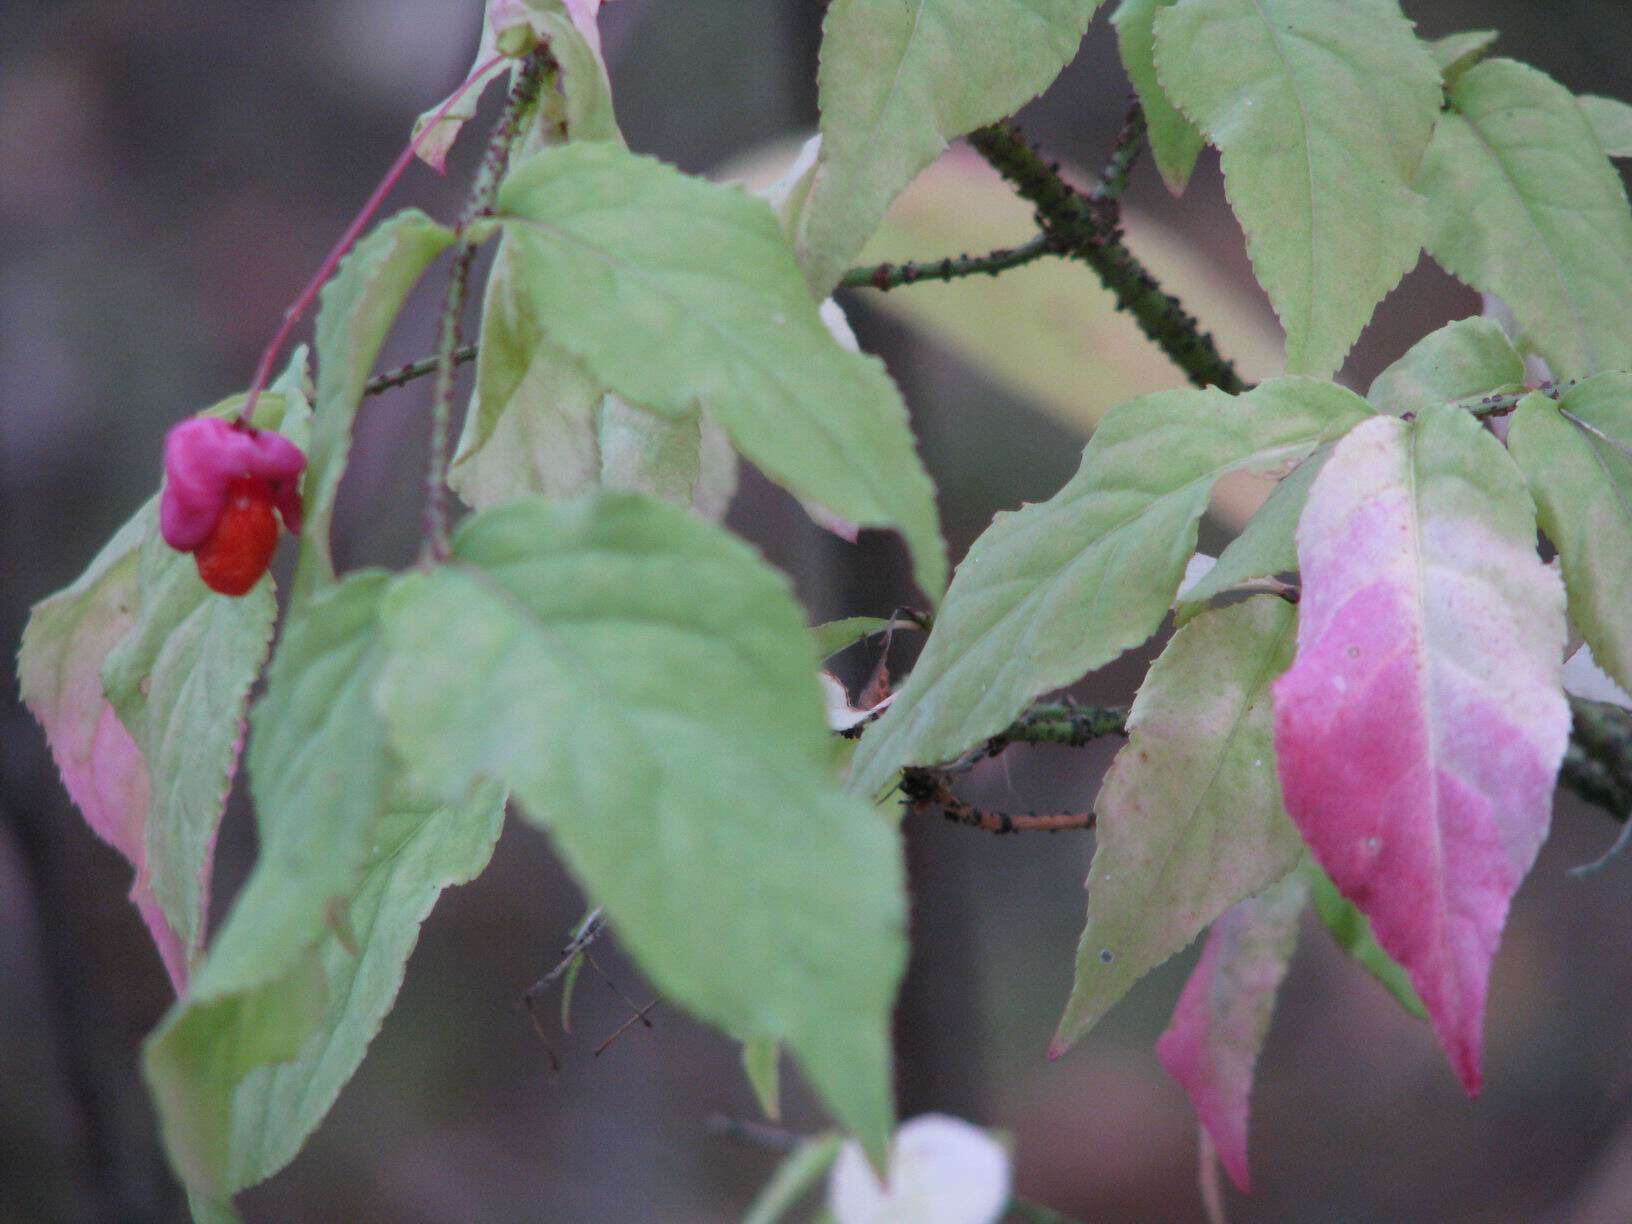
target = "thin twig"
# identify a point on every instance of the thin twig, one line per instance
(638, 1018)
(403, 375)
(926, 791)
(887, 276)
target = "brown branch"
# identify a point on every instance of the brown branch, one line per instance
(925, 791)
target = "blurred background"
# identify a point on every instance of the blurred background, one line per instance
(170, 173)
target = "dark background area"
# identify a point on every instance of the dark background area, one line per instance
(170, 173)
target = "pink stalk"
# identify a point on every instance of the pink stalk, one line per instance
(297, 308)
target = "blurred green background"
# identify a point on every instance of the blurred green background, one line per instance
(170, 173)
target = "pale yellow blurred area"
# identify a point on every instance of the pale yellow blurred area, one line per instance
(1049, 330)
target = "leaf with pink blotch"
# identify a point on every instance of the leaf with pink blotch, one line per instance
(140, 676)
(60, 670)
(1420, 729)
(1211, 1045)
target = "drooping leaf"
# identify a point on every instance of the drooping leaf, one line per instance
(1212, 1044)
(677, 293)
(1321, 110)
(1352, 931)
(647, 688)
(1456, 53)
(1420, 729)
(180, 682)
(319, 773)
(422, 849)
(1523, 204)
(1059, 588)
(450, 118)
(1581, 479)
(899, 79)
(59, 670)
(1266, 546)
(1462, 360)
(1174, 140)
(1611, 122)
(762, 1063)
(139, 676)
(358, 308)
(1190, 815)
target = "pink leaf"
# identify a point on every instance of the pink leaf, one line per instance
(1420, 729)
(60, 666)
(1212, 1043)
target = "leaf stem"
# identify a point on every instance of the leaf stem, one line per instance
(1088, 227)
(293, 312)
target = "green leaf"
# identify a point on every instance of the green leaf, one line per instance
(1581, 479)
(647, 687)
(532, 423)
(1190, 814)
(359, 306)
(685, 460)
(1523, 204)
(1352, 931)
(1059, 588)
(539, 425)
(761, 1063)
(1456, 53)
(834, 636)
(1462, 360)
(1266, 546)
(677, 293)
(319, 772)
(1174, 140)
(901, 78)
(1322, 110)
(180, 682)
(1611, 122)
(422, 849)
(795, 1177)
